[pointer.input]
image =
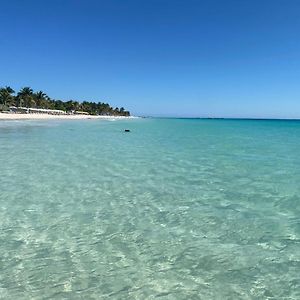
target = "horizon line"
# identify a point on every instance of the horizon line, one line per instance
(218, 118)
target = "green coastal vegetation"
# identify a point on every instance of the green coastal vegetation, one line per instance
(26, 97)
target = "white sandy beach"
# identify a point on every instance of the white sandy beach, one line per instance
(13, 116)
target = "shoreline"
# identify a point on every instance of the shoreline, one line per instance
(14, 117)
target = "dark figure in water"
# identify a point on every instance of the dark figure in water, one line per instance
(127, 130)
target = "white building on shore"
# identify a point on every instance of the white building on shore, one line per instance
(25, 110)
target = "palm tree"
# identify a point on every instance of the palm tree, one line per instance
(25, 97)
(116, 111)
(6, 96)
(40, 99)
(9, 90)
(72, 105)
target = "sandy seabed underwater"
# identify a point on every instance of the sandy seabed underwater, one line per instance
(175, 209)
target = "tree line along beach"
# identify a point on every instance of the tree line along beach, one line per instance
(27, 104)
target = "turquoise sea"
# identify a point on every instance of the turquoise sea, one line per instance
(175, 209)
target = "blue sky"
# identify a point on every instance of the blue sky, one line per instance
(214, 58)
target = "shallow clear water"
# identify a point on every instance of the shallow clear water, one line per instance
(176, 209)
